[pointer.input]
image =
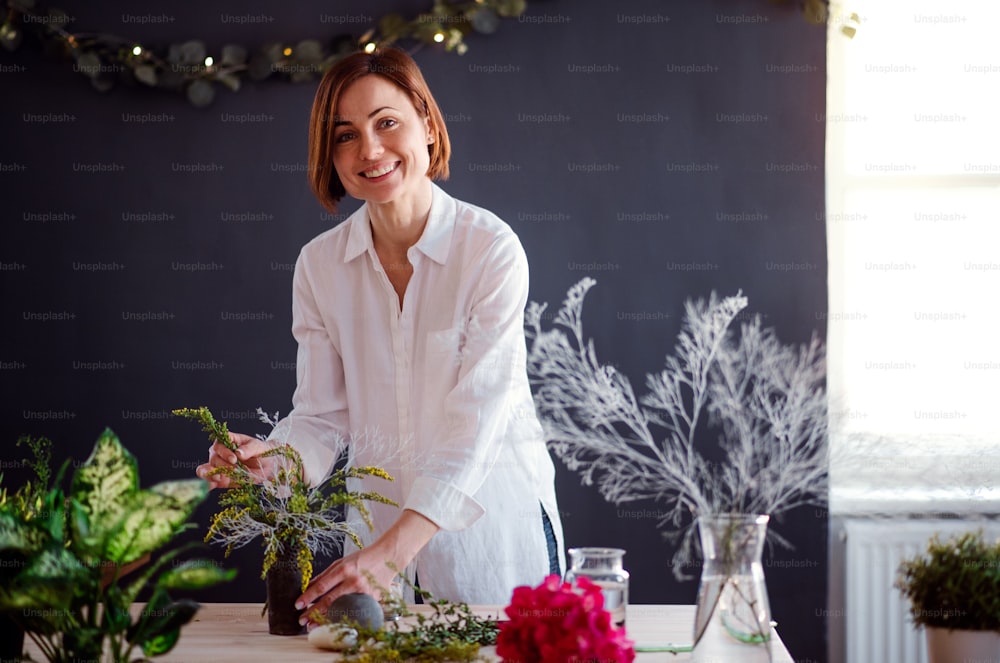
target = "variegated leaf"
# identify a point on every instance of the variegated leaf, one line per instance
(150, 519)
(186, 492)
(47, 581)
(17, 535)
(195, 574)
(106, 481)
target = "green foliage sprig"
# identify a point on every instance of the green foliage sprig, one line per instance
(63, 557)
(282, 509)
(189, 67)
(451, 632)
(955, 584)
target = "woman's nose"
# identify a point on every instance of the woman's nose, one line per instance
(371, 146)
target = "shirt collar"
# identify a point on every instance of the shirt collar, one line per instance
(435, 242)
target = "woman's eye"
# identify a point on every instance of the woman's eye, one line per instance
(387, 123)
(344, 137)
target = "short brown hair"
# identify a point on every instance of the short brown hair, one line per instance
(396, 67)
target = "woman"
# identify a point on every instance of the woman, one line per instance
(409, 322)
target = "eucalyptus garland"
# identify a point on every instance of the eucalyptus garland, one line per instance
(189, 68)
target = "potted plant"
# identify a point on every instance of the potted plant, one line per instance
(954, 593)
(63, 558)
(294, 520)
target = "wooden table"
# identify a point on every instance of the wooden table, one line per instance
(223, 632)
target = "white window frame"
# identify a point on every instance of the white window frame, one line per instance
(883, 462)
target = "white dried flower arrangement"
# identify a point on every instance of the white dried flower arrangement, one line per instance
(766, 402)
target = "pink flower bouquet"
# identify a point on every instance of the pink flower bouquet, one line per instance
(557, 623)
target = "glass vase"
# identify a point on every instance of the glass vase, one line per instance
(733, 617)
(603, 567)
(284, 585)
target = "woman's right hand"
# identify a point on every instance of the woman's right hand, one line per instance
(248, 450)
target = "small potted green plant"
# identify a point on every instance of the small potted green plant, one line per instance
(954, 593)
(293, 519)
(64, 557)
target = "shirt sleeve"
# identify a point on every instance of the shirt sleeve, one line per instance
(317, 424)
(470, 436)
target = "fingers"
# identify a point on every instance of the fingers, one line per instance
(214, 481)
(248, 447)
(249, 452)
(321, 586)
(219, 455)
(317, 598)
(222, 453)
(338, 579)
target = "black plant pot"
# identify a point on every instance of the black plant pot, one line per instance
(11, 640)
(284, 585)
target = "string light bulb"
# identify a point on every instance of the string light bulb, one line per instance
(287, 51)
(439, 37)
(370, 47)
(137, 50)
(209, 61)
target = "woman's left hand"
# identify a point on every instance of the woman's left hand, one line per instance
(362, 572)
(369, 570)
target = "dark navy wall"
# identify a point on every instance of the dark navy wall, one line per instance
(665, 148)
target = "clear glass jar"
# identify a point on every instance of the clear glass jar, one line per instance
(603, 567)
(392, 600)
(733, 615)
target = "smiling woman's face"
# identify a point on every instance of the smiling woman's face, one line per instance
(380, 142)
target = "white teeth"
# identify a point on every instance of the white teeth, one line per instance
(380, 172)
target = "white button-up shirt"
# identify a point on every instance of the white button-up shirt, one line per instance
(443, 378)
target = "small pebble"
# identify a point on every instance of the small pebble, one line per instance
(335, 637)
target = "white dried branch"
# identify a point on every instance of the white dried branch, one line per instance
(766, 402)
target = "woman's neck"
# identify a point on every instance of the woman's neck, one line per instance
(398, 224)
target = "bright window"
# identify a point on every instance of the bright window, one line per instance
(913, 226)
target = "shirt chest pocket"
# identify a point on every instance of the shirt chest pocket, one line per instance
(444, 349)
(440, 371)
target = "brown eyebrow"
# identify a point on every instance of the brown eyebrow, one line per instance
(340, 123)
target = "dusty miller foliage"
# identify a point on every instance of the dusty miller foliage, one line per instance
(765, 403)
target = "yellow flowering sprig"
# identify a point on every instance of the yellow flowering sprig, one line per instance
(284, 510)
(217, 431)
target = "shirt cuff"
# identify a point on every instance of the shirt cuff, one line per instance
(448, 507)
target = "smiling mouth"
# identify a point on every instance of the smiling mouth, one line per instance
(379, 172)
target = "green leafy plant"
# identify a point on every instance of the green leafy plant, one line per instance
(283, 509)
(64, 555)
(955, 584)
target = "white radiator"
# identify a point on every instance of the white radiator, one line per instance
(876, 614)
